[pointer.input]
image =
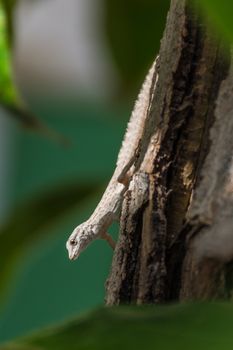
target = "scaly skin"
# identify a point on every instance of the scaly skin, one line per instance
(107, 211)
(109, 207)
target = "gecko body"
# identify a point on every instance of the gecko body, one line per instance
(109, 207)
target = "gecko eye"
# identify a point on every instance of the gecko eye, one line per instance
(73, 242)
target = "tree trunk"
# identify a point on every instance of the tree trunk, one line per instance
(176, 230)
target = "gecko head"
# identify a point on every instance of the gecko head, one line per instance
(80, 239)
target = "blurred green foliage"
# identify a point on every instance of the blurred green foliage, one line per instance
(8, 93)
(10, 98)
(134, 30)
(8, 6)
(178, 327)
(219, 12)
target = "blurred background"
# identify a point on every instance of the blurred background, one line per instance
(78, 66)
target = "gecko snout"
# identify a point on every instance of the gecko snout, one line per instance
(71, 247)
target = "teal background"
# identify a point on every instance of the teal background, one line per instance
(47, 287)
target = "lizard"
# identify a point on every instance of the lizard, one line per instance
(109, 207)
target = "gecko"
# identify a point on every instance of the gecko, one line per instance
(109, 208)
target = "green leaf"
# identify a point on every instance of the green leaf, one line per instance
(220, 14)
(29, 222)
(10, 99)
(8, 6)
(178, 327)
(134, 29)
(8, 92)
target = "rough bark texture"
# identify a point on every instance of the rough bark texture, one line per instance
(176, 236)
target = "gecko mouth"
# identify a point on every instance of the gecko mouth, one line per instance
(73, 256)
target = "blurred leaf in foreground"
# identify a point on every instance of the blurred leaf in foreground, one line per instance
(134, 29)
(8, 93)
(8, 6)
(184, 326)
(220, 13)
(10, 99)
(29, 222)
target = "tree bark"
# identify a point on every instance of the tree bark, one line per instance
(176, 230)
